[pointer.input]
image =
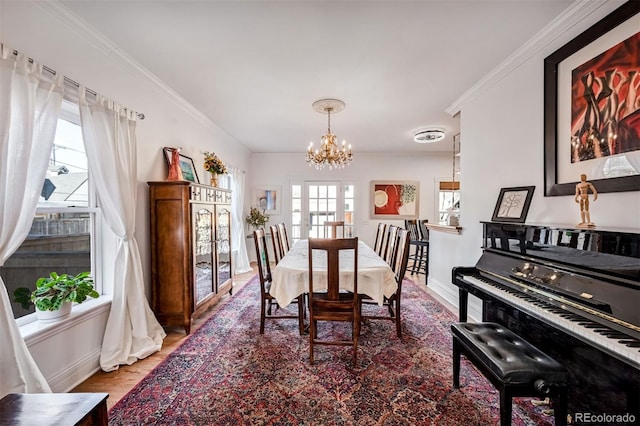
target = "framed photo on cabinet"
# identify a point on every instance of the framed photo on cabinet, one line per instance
(187, 167)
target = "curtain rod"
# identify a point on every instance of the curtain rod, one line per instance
(75, 83)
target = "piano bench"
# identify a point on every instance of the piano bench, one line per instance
(512, 365)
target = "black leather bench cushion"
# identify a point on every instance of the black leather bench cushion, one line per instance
(512, 359)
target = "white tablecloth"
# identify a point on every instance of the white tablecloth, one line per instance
(290, 277)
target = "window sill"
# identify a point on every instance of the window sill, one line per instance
(33, 331)
(444, 228)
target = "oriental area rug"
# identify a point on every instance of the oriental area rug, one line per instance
(226, 373)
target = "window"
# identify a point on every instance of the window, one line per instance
(349, 203)
(448, 190)
(448, 201)
(63, 234)
(322, 204)
(296, 212)
(314, 203)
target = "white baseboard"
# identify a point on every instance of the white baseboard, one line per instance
(74, 374)
(449, 292)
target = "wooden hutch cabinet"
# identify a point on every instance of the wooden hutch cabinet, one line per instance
(190, 249)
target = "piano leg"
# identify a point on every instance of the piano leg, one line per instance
(463, 302)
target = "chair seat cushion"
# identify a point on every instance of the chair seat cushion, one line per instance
(512, 359)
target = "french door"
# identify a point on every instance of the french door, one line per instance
(315, 203)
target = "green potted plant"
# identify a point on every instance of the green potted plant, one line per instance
(54, 294)
(256, 218)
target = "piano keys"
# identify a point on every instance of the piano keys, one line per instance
(573, 293)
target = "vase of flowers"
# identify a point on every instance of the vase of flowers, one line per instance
(215, 166)
(256, 218)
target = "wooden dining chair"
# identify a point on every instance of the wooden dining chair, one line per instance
(381, 239)
(399, 267)
(331, 229)
(284, 239)
(333, 304)
(392, 233)
(267, 301)
(276, 243)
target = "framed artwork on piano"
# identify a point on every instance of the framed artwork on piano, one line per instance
(513, 204)
(592, 107)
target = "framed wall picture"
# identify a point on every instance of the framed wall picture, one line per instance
(394, 199)
(187, 166)
(268, 199)
(513, 204)
(592, 107)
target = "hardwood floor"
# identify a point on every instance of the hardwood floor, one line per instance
(118, 383)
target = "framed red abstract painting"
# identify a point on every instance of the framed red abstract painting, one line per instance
(592, 107)
(395, 199)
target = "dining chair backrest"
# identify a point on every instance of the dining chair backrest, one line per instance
(331, 229)
(392, 233)
(284, 239)
(333, 247)
(262, 255)
(381, 235)
(424, 231)
(276, 242)
(412, 226)
(401, 256)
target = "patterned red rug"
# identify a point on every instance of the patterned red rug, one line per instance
(226, 373)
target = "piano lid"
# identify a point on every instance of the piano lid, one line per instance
(608, 254)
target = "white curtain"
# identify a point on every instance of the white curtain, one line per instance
(108, 131)
(237, 221)
(29, 108)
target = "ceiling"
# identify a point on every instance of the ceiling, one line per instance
(255, 67)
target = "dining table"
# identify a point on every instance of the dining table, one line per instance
(290, 277)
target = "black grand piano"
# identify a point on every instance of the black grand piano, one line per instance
(574, 294)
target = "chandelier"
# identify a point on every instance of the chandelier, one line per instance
(329, 154)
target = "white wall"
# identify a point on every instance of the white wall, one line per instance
(502, 146)
(46, 34)
(285, 169)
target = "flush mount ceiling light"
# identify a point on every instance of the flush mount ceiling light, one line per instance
(329, 154)
(429, 136)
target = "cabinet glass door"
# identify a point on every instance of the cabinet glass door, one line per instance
(223, 243)
(203, 220)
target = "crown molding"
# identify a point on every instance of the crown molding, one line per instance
(108, 48)
(563, 23)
